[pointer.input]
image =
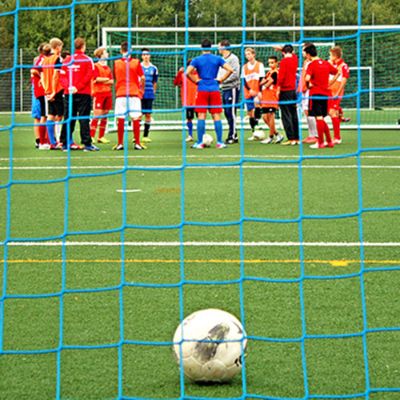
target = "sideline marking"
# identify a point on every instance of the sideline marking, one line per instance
(203, 244)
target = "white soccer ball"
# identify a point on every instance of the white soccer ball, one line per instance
(259, 134)
(209, 345)
(207, 140)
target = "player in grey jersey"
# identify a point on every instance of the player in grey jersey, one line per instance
(230, 90)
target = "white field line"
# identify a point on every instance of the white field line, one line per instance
(205, 244)
(275, 166)
(129, 190)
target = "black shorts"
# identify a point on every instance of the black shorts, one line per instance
(43, 106)
(56, 106)
(269, 110)
(190, 113)
(147, 106)
(318, 107)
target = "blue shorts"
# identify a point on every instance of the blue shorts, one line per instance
(36, 110)
(147, 106)
(250, 104)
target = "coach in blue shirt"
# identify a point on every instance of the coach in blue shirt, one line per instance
(208, 94)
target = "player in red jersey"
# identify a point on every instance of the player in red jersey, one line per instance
(77, 74)
(188, 98)
(102, 95)
(129, 88)
(317, 79)
(337, 85)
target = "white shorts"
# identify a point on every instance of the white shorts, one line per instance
(304, 100)
(133, 107)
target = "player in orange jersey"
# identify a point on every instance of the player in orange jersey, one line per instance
(39, 103)
(188, 98)
(129, 88)
(252, 72)
(102, 95)
(269, 100)
(50, 76)
(337, 85)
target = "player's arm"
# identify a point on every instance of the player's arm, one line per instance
(179, 77)
(191, 75)
(155, 81)
(229, 71)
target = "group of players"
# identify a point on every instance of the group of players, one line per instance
(66, 85)
(321, 87)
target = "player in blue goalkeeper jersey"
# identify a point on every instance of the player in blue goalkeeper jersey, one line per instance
(208, 95)
(151, 75)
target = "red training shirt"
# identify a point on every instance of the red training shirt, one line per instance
(287, 73)
(319, 71)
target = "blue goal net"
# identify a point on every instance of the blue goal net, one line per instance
(104, 253)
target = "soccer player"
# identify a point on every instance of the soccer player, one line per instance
(252, 73)
(151, 77)
(287, 94)
(77, 75)
(230, 89)
(269, 100)
(207, 66)
(39, 104)
(302, 87)
(129, 87)
(337, 86)
(51, 66)
(317, 79)
(188, 97)
(102, 95)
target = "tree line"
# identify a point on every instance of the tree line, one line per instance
(70, 19)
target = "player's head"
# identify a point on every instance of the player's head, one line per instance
(250, 54)
(206, 44)
(65, 54)
(224, 45)
(46, 50)
(273, 62)
(310, 51)
(80, 44)
(56, 44)
(41, 47)
(287, 49)
(124, 47)
(101, 53)
(335, 53)
(145, 54)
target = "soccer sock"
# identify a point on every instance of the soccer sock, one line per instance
(50, 131)
(327, 132)
(189, 125)
(146, 129)
(93, 127)
(321, 129)
(136, 131)
(121, 128)
(102, 129)
(58, 130)
(253, 123)
(312, 126)
(218, 130)
(201, 129)
(42, 134)
(336, 127)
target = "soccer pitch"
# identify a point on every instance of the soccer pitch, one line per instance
(303, 244)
